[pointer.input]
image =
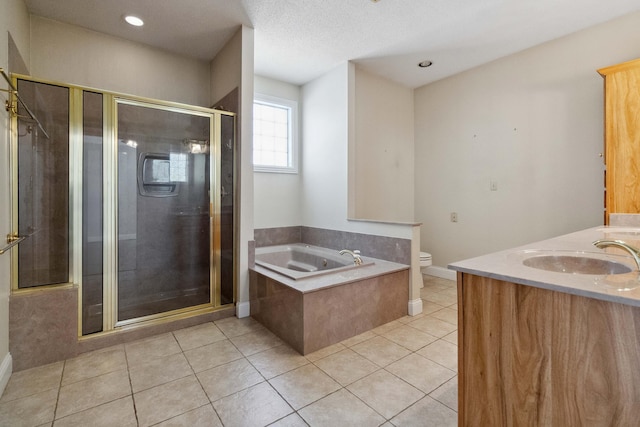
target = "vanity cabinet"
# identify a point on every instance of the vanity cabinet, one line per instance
(622, 138)
(536, 357)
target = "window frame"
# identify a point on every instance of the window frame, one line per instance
(292, 107)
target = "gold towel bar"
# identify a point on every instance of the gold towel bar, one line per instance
(12, 240)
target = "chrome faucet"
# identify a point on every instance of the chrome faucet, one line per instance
(635, 253)
(355, 254)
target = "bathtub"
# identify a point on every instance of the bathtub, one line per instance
(330, 300)
(300, 261)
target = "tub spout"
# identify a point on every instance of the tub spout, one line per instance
(635, 253)
(355, 254)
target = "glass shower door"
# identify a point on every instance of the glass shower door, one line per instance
(164, 203)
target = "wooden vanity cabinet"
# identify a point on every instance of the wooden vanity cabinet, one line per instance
(535, 357)
(622, 138)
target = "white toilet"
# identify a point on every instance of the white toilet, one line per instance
(425, 261)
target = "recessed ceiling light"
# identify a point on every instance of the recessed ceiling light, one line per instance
(425, 64)
(134, 20)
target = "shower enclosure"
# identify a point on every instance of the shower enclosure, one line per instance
(131, 199)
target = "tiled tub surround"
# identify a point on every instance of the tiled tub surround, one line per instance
(316, 312)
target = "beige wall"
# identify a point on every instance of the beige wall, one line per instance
(532, 123)
(382, 168)
(70, 54)
(14, 19)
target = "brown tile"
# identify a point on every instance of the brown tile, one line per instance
(159, 371)
(203, 416)
(33, 381)
(346, 366)
(105, 388)
(116, 413)
(410, 338)
(255, 342)
(93, 364)
(169, 400)
(340, 409)
(198, 336)
(420, 372)
(32, 410)
(230, 378)
(277, 360)
(212, 355)
(304, 385)
(443, 353)
(380, 351)
(426, 413)
(256, 406)
(142, 351)
(385, 393)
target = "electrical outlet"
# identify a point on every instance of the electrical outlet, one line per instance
(454, 217)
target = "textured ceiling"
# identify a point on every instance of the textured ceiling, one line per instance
(299, 40)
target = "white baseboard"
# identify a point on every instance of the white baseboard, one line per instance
(6, 367)
(243, 310)
(441, 272)
(415, 307)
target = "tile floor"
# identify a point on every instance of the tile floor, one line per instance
(236, 373)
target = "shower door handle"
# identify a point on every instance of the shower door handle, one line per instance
(12, 240)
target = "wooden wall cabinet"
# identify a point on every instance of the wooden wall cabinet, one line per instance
(622, 138)
(535, 357)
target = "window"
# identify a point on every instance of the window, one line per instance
(274, 135)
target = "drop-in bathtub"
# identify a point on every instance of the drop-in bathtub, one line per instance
(332, 299)
(300, 261)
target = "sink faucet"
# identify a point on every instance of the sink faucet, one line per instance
(635, 253)
(355, 254)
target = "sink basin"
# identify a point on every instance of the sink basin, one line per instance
(576, 264)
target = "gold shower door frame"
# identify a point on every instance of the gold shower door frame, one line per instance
(111, 100)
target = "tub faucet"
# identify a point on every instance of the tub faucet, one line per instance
(635, 253)
(355, 254)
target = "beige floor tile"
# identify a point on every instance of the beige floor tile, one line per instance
(420, 372)
(346, 366)
(452, 337)
(380, 330)
(292, 420)
(443, 298)
(142, 351)
(116, 413)
(443, 353)
(33, 381)
(340, 409)
(76, 397)
(447, 393)
(436, 327)
(212, 355)
(256, 406)
(277, 360)
(410, 338)
(358, 339)
(255, 342)
(199, 335)
(327, 351)
(230, 378)
(447, 314)
(233, 327)
(380, 351)
(433, 287)
(203, 416)
(33, 410)
(169, 400)
(429, 307)
(94, 364)
(159, 371)
(385, 393)
(426, 413)
(406, 319)
(304, 385)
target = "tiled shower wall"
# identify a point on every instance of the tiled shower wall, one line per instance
(381, 247)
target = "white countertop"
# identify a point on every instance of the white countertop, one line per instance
(620, 288)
